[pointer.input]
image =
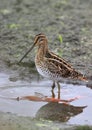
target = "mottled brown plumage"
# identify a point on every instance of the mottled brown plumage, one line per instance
(51, 65)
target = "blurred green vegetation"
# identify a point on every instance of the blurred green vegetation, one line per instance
(59, 51)
(86, 127)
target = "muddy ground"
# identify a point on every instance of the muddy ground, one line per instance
(21, 20)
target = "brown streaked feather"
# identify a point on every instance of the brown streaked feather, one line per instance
(57, 67)
(54, 56)
(64, 68)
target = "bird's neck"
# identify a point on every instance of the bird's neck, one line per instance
(42, 50)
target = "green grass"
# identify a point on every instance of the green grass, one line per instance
(59, 50)
(84, 128)
(60, 38)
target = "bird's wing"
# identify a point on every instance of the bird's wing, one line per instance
(57, 67)
(54, 56)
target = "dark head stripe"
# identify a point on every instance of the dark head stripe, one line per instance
(39, 36)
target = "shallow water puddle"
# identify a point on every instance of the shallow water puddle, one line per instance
(76, 112)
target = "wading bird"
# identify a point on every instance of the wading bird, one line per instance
(50, 65)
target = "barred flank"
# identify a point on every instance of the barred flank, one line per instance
(75, 74)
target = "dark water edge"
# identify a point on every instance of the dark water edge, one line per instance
(11, 121)
(20, 123)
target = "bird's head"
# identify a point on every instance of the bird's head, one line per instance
(39, 40)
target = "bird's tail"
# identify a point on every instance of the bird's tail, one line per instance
(77, 75)
(83, 78)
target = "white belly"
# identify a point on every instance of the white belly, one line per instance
(46, 73)
(43, 71)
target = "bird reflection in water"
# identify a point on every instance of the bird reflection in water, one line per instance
(59, 111)
(38, 97)
(56, 109)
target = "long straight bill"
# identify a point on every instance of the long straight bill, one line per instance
(27, 53)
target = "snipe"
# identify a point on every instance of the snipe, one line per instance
(51, 65)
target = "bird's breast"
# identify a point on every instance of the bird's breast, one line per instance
(41, 68)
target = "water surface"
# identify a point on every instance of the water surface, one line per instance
(76, 112)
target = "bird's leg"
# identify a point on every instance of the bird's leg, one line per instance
(53, 86)
(58, 90)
